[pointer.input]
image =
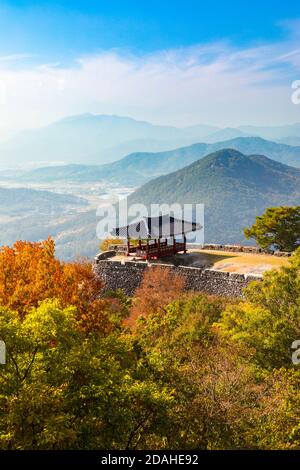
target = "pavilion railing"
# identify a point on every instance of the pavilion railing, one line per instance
(152, 250)
(162, 250)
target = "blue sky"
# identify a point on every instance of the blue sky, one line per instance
(64, 29)
(169, 62)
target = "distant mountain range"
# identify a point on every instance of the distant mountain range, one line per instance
(235, 188)
(235, 184)
(137, 168)
(225, 134)
(291, 140)
(93, 139)
(99, 139)
(272, 132)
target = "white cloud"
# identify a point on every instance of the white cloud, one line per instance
(211, 83)
(14, 57)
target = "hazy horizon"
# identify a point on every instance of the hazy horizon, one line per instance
(12, 134)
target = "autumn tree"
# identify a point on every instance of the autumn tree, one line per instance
(30, 273)
(159, 286)
(278, 227)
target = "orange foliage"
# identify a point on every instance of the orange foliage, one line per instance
(30, 273)
(160, 286)
(105, 244)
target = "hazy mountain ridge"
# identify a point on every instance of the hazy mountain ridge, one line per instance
(93, 139)
(98, 139)
(138, 168)
(290, 140)
(272, 132)
(227, 133)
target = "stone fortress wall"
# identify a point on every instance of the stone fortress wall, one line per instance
(127, 275)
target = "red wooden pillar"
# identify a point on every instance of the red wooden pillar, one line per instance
(184, 242)
(128, 246)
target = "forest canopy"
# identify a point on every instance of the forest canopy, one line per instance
(180, 370)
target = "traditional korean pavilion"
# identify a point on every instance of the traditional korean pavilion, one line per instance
(156, 236)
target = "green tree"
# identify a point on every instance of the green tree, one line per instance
(216, 392)
(62, 388)
(278, 227)
(234, 384)
(277, 421)
(269, 320)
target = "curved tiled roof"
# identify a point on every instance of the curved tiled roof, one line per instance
(163, 226)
